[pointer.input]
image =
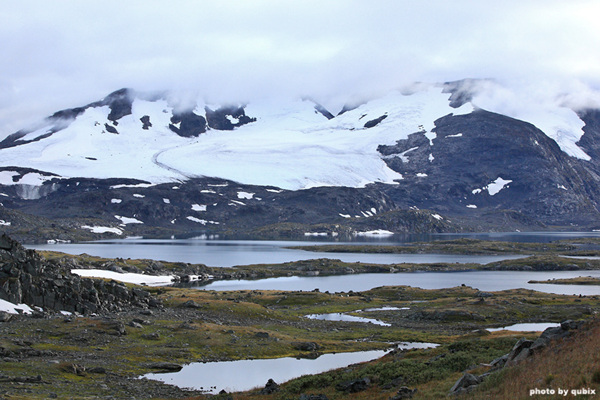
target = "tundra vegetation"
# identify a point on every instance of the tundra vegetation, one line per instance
(102, 355)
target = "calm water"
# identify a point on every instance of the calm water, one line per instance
(482, 280)
(248, 374)
(527, 327)
(227, 253)
(234, 376)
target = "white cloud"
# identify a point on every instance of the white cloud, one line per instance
(64, 54)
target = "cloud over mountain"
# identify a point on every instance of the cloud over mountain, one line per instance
(59, 55)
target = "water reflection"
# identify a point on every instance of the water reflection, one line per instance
(233, 376)
(346, 318)
(225, 253)
(483, 280)
(526, 327)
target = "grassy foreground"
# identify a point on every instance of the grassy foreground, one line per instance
(101, 356)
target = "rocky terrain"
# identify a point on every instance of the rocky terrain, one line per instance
(27, 278)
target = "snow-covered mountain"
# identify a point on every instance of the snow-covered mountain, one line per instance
(458, 149)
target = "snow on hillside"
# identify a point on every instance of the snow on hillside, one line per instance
(300, 148)
(290, 145)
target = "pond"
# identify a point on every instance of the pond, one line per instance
(233, 376)
(526, 327)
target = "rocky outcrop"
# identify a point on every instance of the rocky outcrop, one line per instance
(270, 388)
(28, 278)
(522, 350)
(454, 172)
(354, 386)
(187, 124)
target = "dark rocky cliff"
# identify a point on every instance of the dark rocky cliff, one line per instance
(28, 278)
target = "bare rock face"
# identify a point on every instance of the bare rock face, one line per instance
(26, 277)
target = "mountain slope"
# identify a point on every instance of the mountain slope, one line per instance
(137, 162)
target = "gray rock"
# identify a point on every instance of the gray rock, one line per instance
(305, 396)
(518, 348)
(165, 366)
(404, 393)
(270, 387)
(354, 386)
(305, 346)
(464, 383)
(5, 317)
(569, 325)
(134, 324)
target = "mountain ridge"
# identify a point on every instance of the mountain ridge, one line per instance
(432, 148)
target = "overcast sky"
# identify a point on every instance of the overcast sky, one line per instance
(66, 53)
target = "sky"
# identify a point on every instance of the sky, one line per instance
(67, 53)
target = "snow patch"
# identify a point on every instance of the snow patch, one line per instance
(115, 201)
(471, 206)
(430, 135)
(201, 221)
(437, 216)
(30, 178)
(198, 207)
(166, 201)
(494, 187)
(4, 223)
(245, 195)
(377, 232)
(12, 308)
(139, 196)
(128, 220)
(139, 185)
(102, 229)
(138, 279)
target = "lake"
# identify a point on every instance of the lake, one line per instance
(228, 253)
(483, 280)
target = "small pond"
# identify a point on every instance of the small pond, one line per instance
(234, 376)
(526, 327)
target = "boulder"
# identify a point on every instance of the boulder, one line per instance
(354, 386)
(270, 387)
(165, 366)
(306, 346)
(4, 316)
(404, 393)
(518, 348)
(312, 397)
(465, 383)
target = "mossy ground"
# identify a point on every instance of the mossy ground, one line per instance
(198, 325)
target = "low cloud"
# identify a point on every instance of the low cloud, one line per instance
(64, 54)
